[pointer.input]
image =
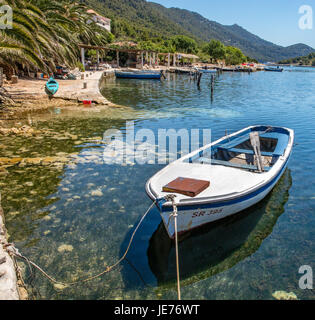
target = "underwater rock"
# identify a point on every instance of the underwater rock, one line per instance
(97, 193)
(23, 131)
(60, 286)
(282, 295)
(29, 184)
(14, 213)
(64, 248)
(33, 161)
(3, 172)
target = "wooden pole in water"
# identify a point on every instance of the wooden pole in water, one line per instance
(212, 86)
(199, 79)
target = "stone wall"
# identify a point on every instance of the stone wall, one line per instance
(8, 279)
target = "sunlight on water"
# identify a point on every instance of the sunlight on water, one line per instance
(75, 217)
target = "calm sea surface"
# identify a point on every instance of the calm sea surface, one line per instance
(75, 220)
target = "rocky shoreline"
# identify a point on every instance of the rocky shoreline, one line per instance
(11, 283)
(28, 95)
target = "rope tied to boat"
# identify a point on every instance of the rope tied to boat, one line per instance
(12, 250)
(171, 198)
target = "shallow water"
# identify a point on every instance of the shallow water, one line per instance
(93, 208)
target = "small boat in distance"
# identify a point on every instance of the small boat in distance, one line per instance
(205, 70)
(222, 178)
(274, 69)
(142, 74)
(51, 86)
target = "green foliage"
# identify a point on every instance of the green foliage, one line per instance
(80, 66)
(47, 33)
(308, 60)
(147, 20)
(184, 44)
(234, 56)
(215, 49)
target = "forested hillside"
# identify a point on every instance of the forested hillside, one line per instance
(142, 20)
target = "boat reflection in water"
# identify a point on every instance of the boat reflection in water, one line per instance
(218, 246)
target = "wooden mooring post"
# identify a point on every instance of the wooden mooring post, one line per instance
(212, 87)
(199, 76)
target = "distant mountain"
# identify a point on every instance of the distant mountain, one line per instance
(308, 60)
(154, 20)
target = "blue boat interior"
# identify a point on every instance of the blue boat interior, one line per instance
(237, 152)
(52, 86)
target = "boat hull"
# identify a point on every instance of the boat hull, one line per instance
(145, 76)
(273, 70)
(207, 71)
(51, 87)
(191, 217)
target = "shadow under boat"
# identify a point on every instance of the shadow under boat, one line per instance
(208, 250)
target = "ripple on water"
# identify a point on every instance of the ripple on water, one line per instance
(76, 220)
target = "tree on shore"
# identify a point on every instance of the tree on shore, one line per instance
(215, 49)
(184, 44)
(47, 33)
(234, 56)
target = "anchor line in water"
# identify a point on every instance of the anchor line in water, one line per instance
(12, 250)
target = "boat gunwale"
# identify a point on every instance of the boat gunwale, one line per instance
(272, 174)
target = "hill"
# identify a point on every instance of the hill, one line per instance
(308, 60)
(142, 20)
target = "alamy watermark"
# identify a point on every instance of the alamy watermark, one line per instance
(306, 281)
(6, 17)
(306, 20)
(145, 146)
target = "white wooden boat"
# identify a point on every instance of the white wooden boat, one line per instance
(242, 169)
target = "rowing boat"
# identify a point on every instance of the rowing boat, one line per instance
(51, 86)
(222, 178)
(274, 69)
(138, 75)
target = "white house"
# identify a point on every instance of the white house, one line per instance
(100, 20)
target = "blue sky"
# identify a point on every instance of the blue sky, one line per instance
(273, 20)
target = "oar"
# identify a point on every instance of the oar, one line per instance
(255, 141)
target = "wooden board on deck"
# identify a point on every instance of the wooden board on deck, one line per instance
(186, 186)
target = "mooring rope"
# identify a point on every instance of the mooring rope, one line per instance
(11, 249)
(172, 199)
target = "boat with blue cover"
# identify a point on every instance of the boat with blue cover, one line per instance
(274, 69)
(51, 86)
(143, 74)
(240, 170)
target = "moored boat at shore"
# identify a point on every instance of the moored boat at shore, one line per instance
(51, 86)
(143, 74)
(222, 178)
(274, 69)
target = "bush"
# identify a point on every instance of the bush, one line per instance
(80, 66)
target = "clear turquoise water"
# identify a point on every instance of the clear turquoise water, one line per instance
(249, 256)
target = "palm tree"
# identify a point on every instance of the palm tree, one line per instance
(46, 33)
